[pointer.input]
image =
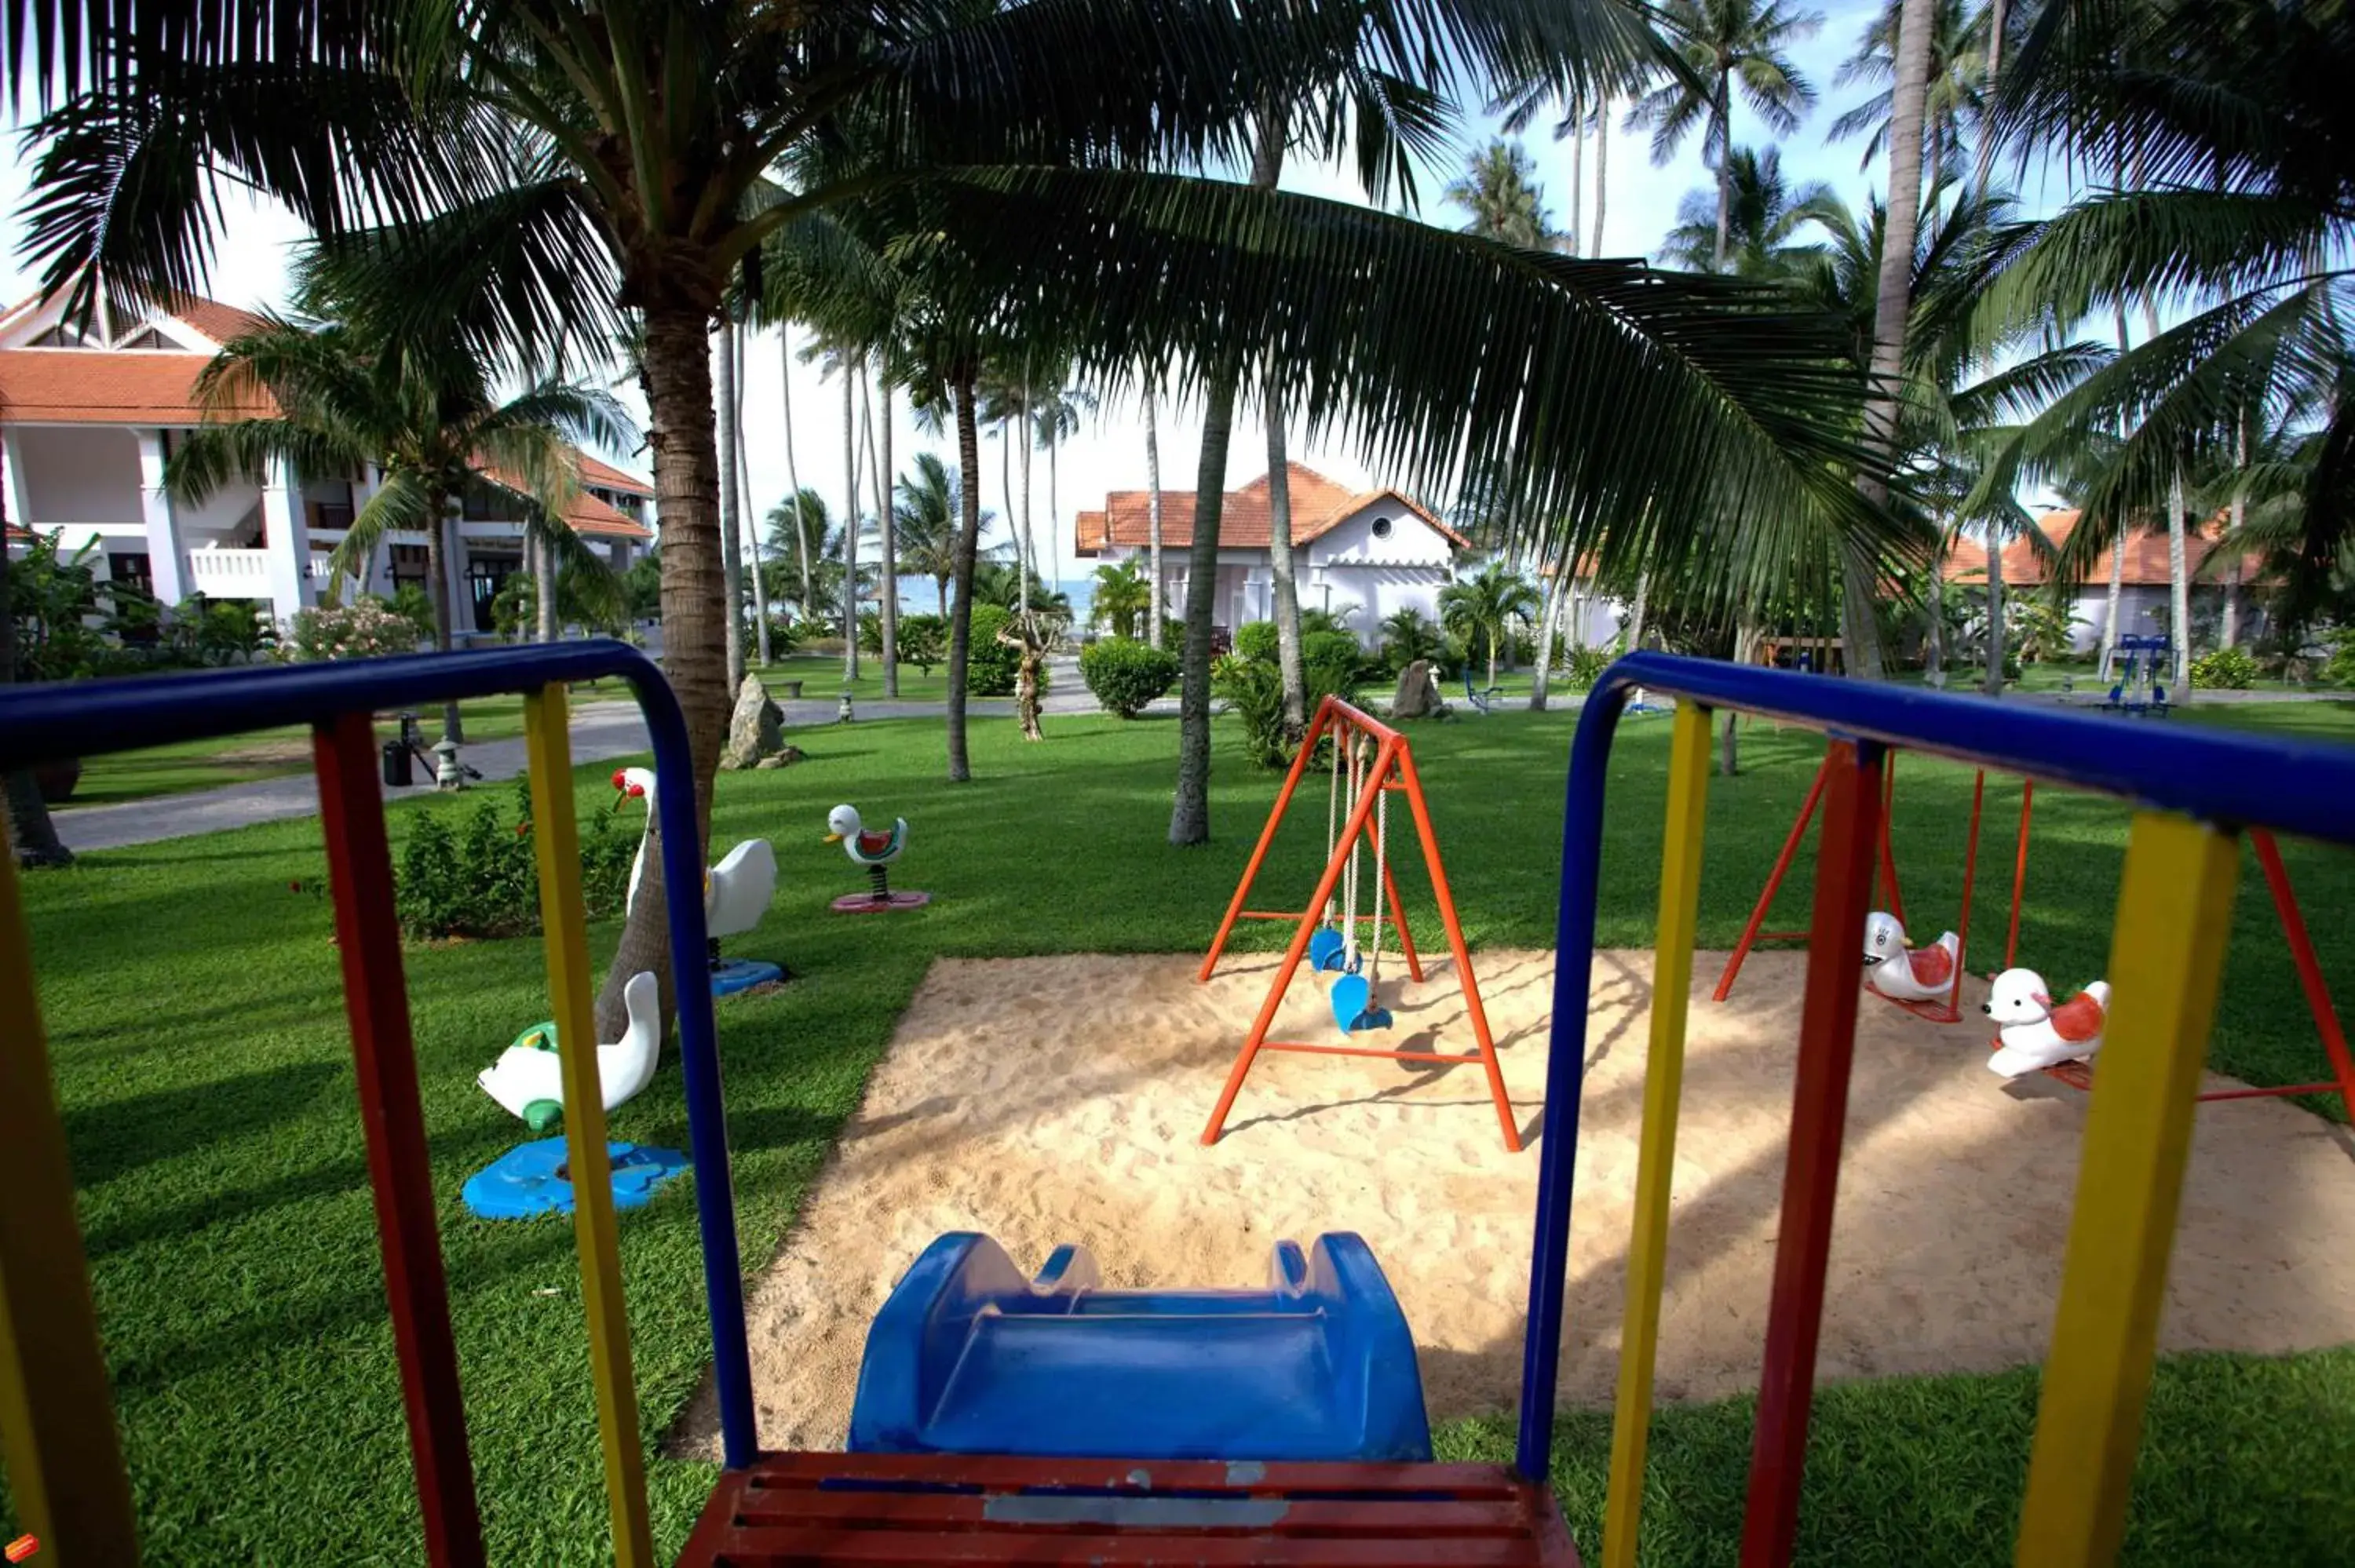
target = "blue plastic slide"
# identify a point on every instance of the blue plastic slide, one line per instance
(967, 1357)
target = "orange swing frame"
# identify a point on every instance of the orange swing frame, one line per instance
(1392, 769)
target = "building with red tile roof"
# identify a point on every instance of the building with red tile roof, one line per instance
(1359, 554)
(2144, 579)
(89, 415)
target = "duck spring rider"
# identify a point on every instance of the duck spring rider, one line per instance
(983, 1492)
(876, 850)
(736, 892)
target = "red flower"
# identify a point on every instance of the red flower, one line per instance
(293, 887)
(522, 828)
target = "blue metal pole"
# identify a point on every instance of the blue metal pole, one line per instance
(1582, 856)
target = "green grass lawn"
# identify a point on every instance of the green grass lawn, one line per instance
(204, 1065)
(821, 678)
(272, 753)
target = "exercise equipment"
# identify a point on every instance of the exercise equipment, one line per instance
(2193, 792)
(2140, 689)
(1945, 1010)
(968, 1356)
(1392, 768)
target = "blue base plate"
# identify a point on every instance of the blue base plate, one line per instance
(743, 974)
(526, 1181)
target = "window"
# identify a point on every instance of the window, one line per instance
(486, 575)
(58, 337)
(408, 566)
(151, 339)
(1381, 527)
(332, 510)
(129, 569)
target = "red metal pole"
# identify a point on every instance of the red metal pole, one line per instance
(1267, 837)
(1298, 948)
(376, 999)
(2309, 968)
(1397, 918)
(1455, 929)
(1896, 900)
(1773, 884)
(2019, 871)
(1844, 863)
(1970, 879)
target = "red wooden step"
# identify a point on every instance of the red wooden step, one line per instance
(808, 1509)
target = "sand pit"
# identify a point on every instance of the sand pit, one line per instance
(1045, 1100)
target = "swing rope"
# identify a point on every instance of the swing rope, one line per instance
(1350, 901)
(1381, 875)
(1333, 816)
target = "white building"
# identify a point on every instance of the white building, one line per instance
(1361, 555)
(87, 422)
(2144, 582)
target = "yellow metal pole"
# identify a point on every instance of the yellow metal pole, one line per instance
(1664, 1074)
(557, 835)
(56, 1412)
(2167, 958)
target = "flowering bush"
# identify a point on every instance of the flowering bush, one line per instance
(365, 628)
(482, 879)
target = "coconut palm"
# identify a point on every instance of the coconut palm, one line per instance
(1953, 102)
(2242, 213)
(1121, 596)
(926, 516)
(1488, 606)
(1505, 203)
(1724, 43)
(349, 395)
(1765, 223)
(800, 530)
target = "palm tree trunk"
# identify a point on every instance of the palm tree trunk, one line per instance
(2231, 628)
(1935, 642)
(2117, 545)
(879, 457)
(1725, 157)
(849, 522)
(1995, 637)
(794, 472)
(1728, 737)
(1892, 303)
(968, 537)
(24, 815)
(1635, 616)
(437, 582)
(551, 621)
(1602, 175)
(695, 648)
(1287, 583)
(747, 511)
(1029, 540)
(1539, 680)
(1190, 811)
(2179, 589)
(1013, 517)
(1996, 10)
(1577, 185)
(731, 566)
(1153, 515)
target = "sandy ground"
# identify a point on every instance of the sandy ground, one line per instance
(1044, 1100)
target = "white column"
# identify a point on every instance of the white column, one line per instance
(167, 559)
(374, 576)
(12, 457)
(288, 541)
(453, 572)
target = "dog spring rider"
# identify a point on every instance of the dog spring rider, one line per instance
(875, 851)
(736, 892)
(2033, 1033)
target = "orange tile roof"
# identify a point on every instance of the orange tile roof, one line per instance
(612, 478)
(218, 322)
(587, 515)
(1245, 523)
(2145, 555)
(97, 386)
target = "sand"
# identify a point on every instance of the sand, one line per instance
(1044, 1100)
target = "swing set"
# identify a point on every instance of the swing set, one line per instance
(1370, 762)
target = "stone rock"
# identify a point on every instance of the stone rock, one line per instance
(785, 758)
(1418, 694)
(756, 730)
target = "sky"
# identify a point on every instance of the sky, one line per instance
(250, 267)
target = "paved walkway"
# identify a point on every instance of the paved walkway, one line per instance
(601, 732)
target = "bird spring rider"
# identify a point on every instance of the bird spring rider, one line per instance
(2036, 1035)
(736, 893)
(876, 850)
(1054, 1452)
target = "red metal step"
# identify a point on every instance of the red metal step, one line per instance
(807, 1508)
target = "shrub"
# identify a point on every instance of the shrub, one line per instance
(1256, 640)
(1126, 674)
(2225, 670)
(414, 605)
(990, 664)
(2339, 670)
(1337, 652)
(923, 640)
(1584, 666)
(483, 881)
(870, 632)
(1253, 692)
(1407, 635)
(365, 628)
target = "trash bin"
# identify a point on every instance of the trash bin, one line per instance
(396, 765)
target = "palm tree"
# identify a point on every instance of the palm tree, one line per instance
(350, 395)
(1505, 202)
(799, 529)
(1893, 304)
(925, 517)
(1723, 42)
(1766, 219)
(1486, 606)
(1960, 62)
(1153, 512)
(731, 504)
(1120, 598)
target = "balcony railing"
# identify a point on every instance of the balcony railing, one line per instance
(231, 573)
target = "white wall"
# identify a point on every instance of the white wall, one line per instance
(1411, 541)
(80, 474)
